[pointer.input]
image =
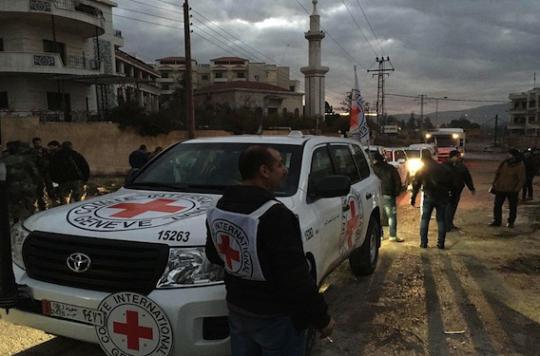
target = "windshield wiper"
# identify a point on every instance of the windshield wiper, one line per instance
(158, 186)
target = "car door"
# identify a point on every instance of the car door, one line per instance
(322, 216)
(353, 205)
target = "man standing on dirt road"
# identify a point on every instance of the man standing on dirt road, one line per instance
(391, 187)
(436, 183)
(508, 182)
(461, 177)
(273, 298)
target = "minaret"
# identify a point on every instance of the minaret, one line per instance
(315, 72)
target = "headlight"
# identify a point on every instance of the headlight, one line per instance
(18, 236)
(188, 267)
(414, 165)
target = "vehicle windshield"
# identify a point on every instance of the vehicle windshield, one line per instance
(446, 141)
(210, 168)
(412, 153)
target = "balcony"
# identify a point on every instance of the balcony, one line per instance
(51, 63)
(73, 16)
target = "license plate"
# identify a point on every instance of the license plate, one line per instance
(72, 312)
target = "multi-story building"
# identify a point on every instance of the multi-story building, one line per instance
(57, 58)
(525, 113)
(139, 82)
(222, 70)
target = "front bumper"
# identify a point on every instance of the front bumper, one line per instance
(197, 315)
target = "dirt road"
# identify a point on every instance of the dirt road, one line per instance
(480, 296)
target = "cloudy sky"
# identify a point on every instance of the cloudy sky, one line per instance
(460, 49)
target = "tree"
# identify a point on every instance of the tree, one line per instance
(428, 125)
(411, 123)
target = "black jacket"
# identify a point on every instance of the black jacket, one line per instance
(289, 288)
(68, 165)
(461, 176)
(138, 158)
(436, 181)
(389, 176)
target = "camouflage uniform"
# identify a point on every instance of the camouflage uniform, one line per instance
(22, 180)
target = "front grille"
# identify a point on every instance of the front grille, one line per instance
(116, 265)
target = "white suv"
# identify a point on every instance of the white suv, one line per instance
(128, 271)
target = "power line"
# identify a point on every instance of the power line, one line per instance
(199, 28)
(370, 27)
(448, 99)
(150, 15)
(148, 22)
(359, 27)
(150, 5)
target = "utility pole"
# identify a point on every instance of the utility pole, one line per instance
(190, 114)
(422, 97)
(495, 131)
(381, 73)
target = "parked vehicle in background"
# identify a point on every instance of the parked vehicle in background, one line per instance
(446, 140)
(397, 157)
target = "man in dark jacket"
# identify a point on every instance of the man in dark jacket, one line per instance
(391, 187)
(70, 170)
(271, 295)
(436, 183)
(508, 182)
(138, 158)
(462, 177)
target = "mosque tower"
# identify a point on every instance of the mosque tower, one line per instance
(314, 73)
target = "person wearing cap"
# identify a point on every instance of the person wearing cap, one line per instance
(508, 182)
(436, 183)
(391, 187)
(462, 177)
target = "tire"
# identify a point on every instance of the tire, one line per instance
(363, 259)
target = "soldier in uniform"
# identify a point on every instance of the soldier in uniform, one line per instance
(44, 187)
(22, 180)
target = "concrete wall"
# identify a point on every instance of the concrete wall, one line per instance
(103, 144)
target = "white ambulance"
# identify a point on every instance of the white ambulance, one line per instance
(128, 270)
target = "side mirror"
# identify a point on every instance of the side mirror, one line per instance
(330, 187)
(401, 161)
(131, 176)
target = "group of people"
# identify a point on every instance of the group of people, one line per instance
(39, 177)
(442, 185)
(139, 157)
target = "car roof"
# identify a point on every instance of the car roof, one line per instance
(261, 139)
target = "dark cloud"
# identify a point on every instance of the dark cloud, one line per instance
(460, 49)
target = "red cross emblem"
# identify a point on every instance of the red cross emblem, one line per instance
(351, 224)
(131, 210)
(132, 330)
(226, 250)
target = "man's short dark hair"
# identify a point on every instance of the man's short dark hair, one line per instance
(54, 143)
(377, 157)
(67, 145)
(36, 139)
(454, 153)
(142, 147)
(252, 159)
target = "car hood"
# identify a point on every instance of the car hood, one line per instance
(177, 219)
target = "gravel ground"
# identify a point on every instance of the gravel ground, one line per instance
(478, 297)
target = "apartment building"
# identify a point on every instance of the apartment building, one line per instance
(139, 82)
(525, 113)
(57, 58)
(222, 70)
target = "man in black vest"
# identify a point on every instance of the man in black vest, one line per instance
(271, 295)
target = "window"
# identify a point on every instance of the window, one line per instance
(321, 166)
(55, 102)
(361, 162)
(240, 75)
(388, 156)
(3, 100)
(218, 75)
(344, 162)
(205, 77)
(165, 75)
(400, 155)
(272, 111)
(165, 86)
(1, 44)
(55, 47)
